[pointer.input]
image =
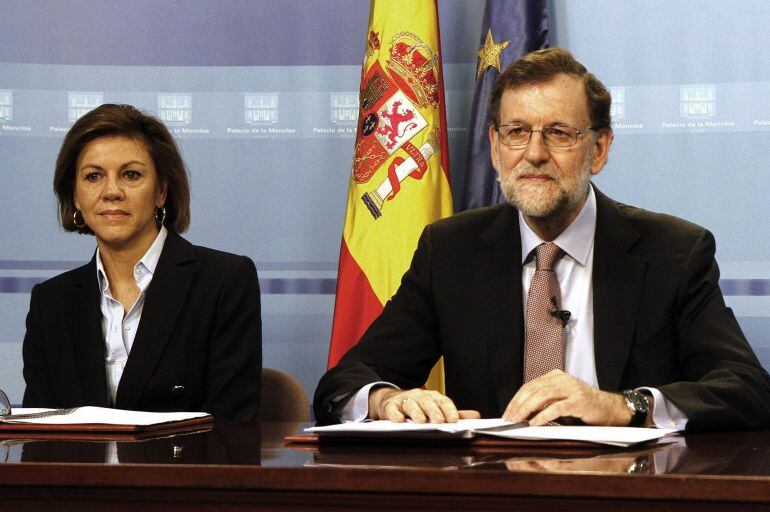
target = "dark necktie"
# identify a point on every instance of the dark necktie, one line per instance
(544, 339)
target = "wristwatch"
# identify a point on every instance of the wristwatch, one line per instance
(638, 405)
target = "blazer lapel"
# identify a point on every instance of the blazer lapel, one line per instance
(497, 270)
(162, 307)
(87, 338)
(618, 277)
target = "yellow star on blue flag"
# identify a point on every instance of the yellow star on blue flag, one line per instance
(489, 54)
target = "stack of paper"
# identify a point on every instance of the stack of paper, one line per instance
(99, 423)
(466, 429)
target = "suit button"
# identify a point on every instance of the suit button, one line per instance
(177, 390)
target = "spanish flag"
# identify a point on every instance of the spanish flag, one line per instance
(400, 174)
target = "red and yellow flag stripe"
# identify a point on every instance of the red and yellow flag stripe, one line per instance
(400, 175)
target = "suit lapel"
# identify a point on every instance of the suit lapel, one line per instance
(618, 277)
(87, 338)
(163, 305)
(497, 270)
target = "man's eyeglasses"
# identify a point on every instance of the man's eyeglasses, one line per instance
(5, 404)
(559, 136)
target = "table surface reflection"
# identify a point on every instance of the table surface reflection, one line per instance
(231, 465)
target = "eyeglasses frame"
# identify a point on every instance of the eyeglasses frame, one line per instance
(578, 133)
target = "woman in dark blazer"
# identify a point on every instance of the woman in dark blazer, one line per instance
(152, 322)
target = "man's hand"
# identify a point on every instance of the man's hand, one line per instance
(419, 405)
(560, 395)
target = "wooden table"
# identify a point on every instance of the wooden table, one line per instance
(248, 467)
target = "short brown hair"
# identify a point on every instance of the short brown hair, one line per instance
(542, 66)
(124, 120)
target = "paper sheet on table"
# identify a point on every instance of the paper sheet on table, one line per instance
(385, 427)
(100, 416)
(614, 436)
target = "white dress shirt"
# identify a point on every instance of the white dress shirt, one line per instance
(574, 272)
(119, 330)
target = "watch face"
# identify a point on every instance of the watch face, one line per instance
(637, 401)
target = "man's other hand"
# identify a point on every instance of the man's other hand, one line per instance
(560, 395)
(418, 405)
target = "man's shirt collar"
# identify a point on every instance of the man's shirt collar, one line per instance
(576, 240)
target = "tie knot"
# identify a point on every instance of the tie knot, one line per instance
(547, 255)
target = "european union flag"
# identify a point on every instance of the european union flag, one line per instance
(510, 29)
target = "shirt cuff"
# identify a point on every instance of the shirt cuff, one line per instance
(665, 414)
(357, 408)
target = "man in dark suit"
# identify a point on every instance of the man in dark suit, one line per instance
(646, 337)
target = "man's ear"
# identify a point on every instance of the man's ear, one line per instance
(494, 148)
(602, 145)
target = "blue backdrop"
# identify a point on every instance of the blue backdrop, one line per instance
(262, 97)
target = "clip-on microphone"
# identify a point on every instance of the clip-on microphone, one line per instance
(561, 314)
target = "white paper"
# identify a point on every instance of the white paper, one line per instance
(613, 436)
(102, 416)
(385, 426)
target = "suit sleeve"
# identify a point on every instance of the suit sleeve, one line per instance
(235, 347)
(399, 347)
(725, 386)
(37, 392)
